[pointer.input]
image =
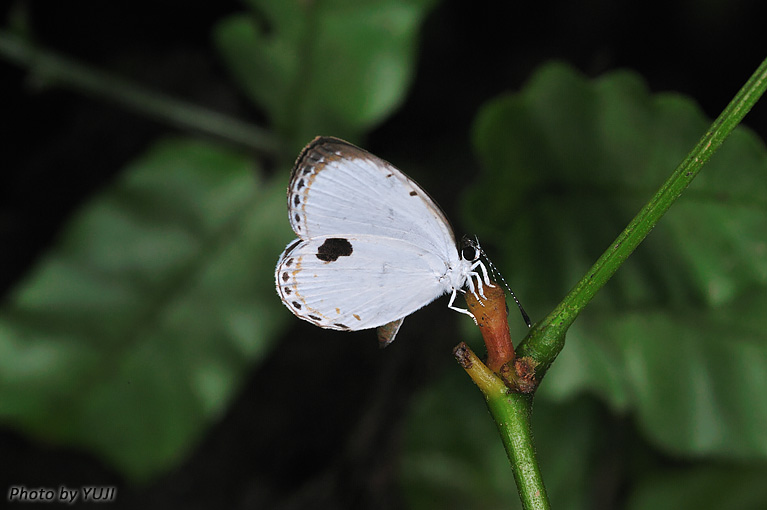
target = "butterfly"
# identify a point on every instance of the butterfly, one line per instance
(372, 246)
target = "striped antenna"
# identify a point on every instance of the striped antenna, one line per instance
(497, 274)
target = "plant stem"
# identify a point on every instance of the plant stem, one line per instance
(49, 67)
(490, 314)
(511, 413)
(546, 339)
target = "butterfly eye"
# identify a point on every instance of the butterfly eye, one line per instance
(469, 253)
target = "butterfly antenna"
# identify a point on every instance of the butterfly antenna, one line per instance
(497, 274)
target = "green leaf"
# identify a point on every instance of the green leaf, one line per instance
(678, 336)
(336, 67)
(130, 336)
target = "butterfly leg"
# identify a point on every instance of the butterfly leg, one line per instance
(485, 276)
(476, 275)
(473, 288)
(462, 310)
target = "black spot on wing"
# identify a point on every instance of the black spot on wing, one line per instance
(333, 248)
(293, 245)
(413, 194)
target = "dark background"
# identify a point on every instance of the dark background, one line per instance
(61, 147)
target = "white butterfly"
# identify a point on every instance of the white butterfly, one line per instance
(372, 246)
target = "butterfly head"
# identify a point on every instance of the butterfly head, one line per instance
(470, 249)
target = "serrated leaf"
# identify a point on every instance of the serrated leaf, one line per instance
(130, 335)
(334, 67)
(678, 335)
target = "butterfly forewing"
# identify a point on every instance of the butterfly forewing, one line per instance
(357, 282)
(337, 188)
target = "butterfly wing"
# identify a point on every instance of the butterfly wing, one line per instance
(357, 282)
(338, 189)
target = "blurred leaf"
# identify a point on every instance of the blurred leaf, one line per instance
(678, 336)
(454, 457)
(130, 336)
(335, 67)
(703, 488)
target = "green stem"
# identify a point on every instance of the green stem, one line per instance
(53, 68)
(546, 339)
(511, 413)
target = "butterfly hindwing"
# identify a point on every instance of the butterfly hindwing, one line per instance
(357, 282)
